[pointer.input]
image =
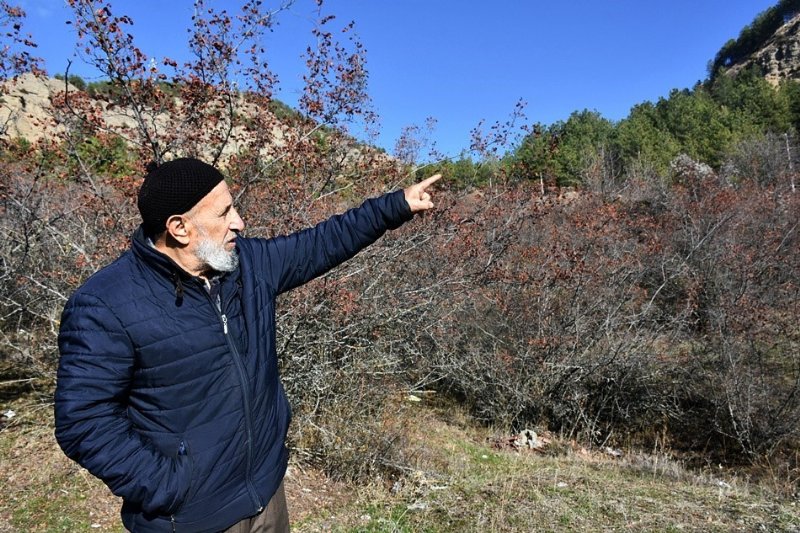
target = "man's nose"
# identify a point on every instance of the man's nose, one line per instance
(237, 224)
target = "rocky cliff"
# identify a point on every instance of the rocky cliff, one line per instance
(779, 57)
(25, 107)
(27, 112)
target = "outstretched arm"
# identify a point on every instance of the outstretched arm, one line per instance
(295, 259)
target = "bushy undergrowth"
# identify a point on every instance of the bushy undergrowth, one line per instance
(646, 306)
(620, 319)
(655, 313)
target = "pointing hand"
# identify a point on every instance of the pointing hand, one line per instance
(416, 196)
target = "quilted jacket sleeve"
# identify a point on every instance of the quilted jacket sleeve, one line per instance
(92, 427)
(302, 256)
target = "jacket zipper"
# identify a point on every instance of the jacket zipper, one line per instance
(182, 450)
(248, 422)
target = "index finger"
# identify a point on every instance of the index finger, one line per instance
(424, 184)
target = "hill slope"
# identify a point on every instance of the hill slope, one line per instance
(779, 57)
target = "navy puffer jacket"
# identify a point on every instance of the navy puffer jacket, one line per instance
(175, 404)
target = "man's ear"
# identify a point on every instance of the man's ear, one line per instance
(176, 228)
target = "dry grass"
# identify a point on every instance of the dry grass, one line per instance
(42, 489)
(463, 483)
(460, 482)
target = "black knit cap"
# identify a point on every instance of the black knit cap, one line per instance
(173, 189)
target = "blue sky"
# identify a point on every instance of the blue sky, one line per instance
(468, 60)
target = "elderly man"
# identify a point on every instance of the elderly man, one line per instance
(168, 386)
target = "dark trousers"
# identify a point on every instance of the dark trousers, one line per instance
(273, 519)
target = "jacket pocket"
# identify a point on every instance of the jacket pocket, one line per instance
(182, 448)
(184, 455)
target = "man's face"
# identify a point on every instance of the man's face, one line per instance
(215, 224)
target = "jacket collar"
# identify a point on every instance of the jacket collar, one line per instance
(162, 264)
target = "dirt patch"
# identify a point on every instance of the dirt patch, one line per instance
(310, 493)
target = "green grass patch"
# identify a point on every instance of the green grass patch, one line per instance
(463, 484)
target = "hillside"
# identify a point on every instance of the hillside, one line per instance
(778, 58)
(643, 320)
(35, 108)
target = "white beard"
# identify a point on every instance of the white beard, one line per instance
(216, 257)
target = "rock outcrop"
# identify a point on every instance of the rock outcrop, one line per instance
(779, 58)
(26, 110)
